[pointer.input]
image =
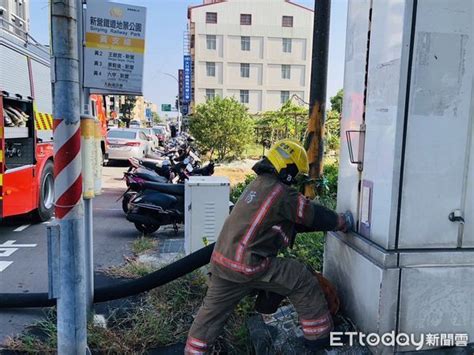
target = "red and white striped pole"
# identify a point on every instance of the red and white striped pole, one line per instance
(71, 303)
(67, 169)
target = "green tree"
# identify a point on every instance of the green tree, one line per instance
(155, 117)
(126, 109)
(222, 125)
(336, 101)
(290, 121)
(332, 126)
(332, 131)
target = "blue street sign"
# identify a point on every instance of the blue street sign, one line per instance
(184, 109)
(148, 114)
(187, 79)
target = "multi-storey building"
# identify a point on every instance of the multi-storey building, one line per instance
(14, 15)
(258, 51)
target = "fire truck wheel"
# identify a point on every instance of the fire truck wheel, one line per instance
(46, 196)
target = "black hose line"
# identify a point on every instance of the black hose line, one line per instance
(158, 278)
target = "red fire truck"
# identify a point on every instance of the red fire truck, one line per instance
(26, 122)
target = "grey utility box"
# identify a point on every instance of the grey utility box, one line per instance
(407, 169)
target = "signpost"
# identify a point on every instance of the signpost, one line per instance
(114, 47)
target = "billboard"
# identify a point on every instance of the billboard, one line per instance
(187, 79)
(180, 84)
(114, 47)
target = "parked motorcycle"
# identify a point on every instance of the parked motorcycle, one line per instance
(148, 172)
(156, 205)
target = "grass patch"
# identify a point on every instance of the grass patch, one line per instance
(161, 318)
(254, 151)
(143, 244)
(308, 248)
(39, 338)
(236, 175)
(132, 269)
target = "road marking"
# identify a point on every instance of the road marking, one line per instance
(49, 221)
(8, 248)
(11, 244)
(7, 251)
(107, 209)
(22, 228)
(4, 265)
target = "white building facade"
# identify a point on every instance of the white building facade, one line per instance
(258, 51)
(15, 15)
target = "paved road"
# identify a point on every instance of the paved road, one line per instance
(23, 251)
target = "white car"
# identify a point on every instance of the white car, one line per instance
(135, 124)
(166, 129)
(154, 141)
(125, 143)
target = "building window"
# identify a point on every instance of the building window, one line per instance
(285, 71)
(245, 70)
(286, 45)
(245, 43)
(211, 17)
(245, 19)
(211, 42)
(285, 96)
(286, 21)
(211, 69)
(244, 96)
(210, 94)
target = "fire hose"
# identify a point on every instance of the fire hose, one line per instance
(155, 279)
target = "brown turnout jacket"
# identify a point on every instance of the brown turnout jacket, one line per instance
(263, 221)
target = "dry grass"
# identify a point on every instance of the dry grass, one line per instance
(161, 318)
(143, 244)
(132, 269)
(234, 174)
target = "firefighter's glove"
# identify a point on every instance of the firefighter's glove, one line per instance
(345, 222)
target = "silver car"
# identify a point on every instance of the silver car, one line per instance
(125, 143)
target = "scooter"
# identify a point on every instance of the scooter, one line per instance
(156, 205)
(178, 173)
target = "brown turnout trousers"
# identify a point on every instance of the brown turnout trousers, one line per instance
(286, 277)
(244, 259)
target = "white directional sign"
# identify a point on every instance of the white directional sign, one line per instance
(114, 47)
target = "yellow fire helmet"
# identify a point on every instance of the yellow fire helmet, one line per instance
(286, 152)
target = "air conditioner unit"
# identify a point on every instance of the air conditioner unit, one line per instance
(206, 208)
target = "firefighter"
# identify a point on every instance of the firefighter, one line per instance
(264, 221)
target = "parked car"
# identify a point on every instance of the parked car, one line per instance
(126, 143)
(135, 124)
(166, 127)
(161, 134)
(154, 142)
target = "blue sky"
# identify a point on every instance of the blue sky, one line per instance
(166, 22)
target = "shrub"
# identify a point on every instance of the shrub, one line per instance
(238, 189)
(222, 125)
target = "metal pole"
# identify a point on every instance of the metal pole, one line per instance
(179, 109)
(84, 95)
(72, 318)
(317, 99)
